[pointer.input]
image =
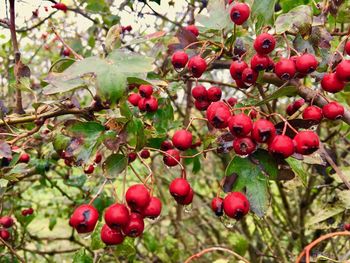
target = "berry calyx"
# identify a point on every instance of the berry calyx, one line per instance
(236, 205)
(218, 114)
(111, 236)
(217, 205)
(6, 221)
(306, 142)
(193, 29)
(331, 83)
(116, 216)
(244, 146)
(263, 130)
(179, 59)
(249, 76)
(240, 125)
(306, 63)
(200, 93)
(179, 188)
(135, 226)
(259, 62)
(343, 70)
(236, 69)
(145, 154)
(153, 209)
(333, 110)
(182, 139)
(172, 157)
(313, 113)
(197, 66)
(285, 69)
(281, 146)
(84, 218)
(214, 94)
(264, 43)
(137, 197)
(239, 13)
(145, 91)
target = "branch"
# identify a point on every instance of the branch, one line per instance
(12, 250)
(211, 249)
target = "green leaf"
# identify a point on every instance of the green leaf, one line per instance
(127, 62)
(115, 164)
(61, 65)
(126, 249)
(82, 257)
(125, 110)
(281, 92)
(297, 167)
(262, 12)
(136, 133)
(60, 142)
(218, 16)
(113, 38)
(96, 242)
(52, 223)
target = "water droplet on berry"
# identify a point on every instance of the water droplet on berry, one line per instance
(84, 235)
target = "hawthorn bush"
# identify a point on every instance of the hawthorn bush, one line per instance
(221, 136)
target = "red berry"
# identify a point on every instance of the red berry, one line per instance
(306, 63)
(4, 234)
(201, 105)
(132, 157)
(98, 158)
(153, 209)
(239, 13)
(135, 226)
(193, 29)
(331, 83)
(214, 94)
(236, 69)
(281, 146)
(200, 93)
(60, 6)
(172, 158)
(30, 211)
(187, 199)
(179, 188)
(244, 146)
(264, 43)
(240, 84)
(197, 66)
(66, 52)
(166, 145)
(253, 114)
(249, 76)
(285, 69)
(111, 236)
(24, 158)
(236, 205)
(6, 221)
(306, 142)
(90, 169)
(217, 205)
(137, 197)
(297, 104)
(84, 218)
(117, 216)
(347, 47)
(240, 125)
(263, 130)
(218, 114)
(343, 70)
(145, 154)
(145, 91)
(148, 104)
(290, 110)
(259, 62)
(179, 59)
(313, 113)
(333, 110)
(347, 227)
(232, 101)
(182, 139)
(134, 99)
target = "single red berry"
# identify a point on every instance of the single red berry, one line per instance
(239, 13)
(179, 59)
(253, 114)
(263, 130)
(281, 146)
(297, 104)
(179, 188)
(343, 70)
(244, 146)
(151, 104)
(306, 63)
(187, 199)
(197, 66)
(331, 83)
(98, 158)
(172, 157)
(313, 113)
(347, 226)
(290, 110)
(347, 47)
(333, 110)
(5, 234)
(135, 226)
(66, 52)
(214, 94)
(217, 205)
(193, 29)
(137, 197)
(153, 209)
(236, 205)
(128, 28)
(134, 99)
(84, 218)
(232, 101)
(259, 62)
(200, 93)
(218, 114)
(166, 145)
(249, 76)
(264, 43)
(285, 69)
(236, 69)
(117, 216)
(111, 236)
(182, 139)
(145, 154)
(6, 221)
(145, 91)
(202, 105)
(132, 157)
(240, 125)
(90, 169)
(60, 6)
(306, 142)
(24, 158)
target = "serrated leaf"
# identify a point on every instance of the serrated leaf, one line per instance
(81, 256)
(262, 12)
(115, 164)
(126, 249)
(111, 84)
(218, 16)
(298, 169)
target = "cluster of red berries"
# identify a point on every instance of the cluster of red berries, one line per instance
(5, 223)
(196, 65)
(203, 97)
(235, 205)
(120, 220)
(27, 211)
(89, 169)
(144, 99)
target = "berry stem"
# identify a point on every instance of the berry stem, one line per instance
(199, 153)
(195, 118)
(212, 249)
(98, 192)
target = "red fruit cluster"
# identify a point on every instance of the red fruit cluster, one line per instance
(332, 111)
(196, 65)
(28, 211)
(181, 190)
(144, 99)
(5, 223)
(204, 97)
(235, 205)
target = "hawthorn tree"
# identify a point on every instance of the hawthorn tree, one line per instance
(223, 135)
